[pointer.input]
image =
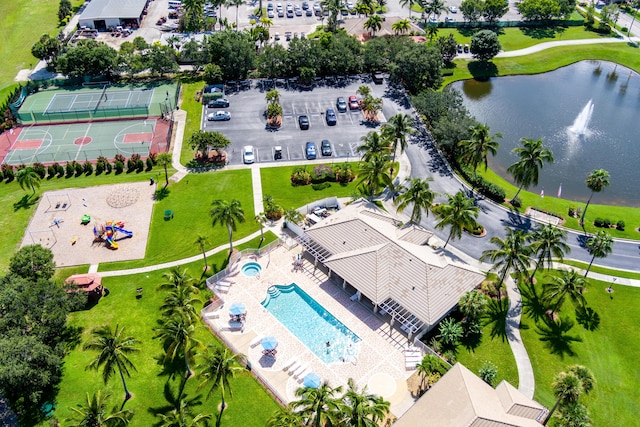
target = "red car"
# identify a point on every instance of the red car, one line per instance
(353, 103)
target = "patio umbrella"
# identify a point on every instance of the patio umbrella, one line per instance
(237, 309)
(311, 380)
(269, 343)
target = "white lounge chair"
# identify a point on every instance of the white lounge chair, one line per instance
(293, 367)
(256, 341)
(211, 315)
(301, 368)
(289, 363)
(304, 374)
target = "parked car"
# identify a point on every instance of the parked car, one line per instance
(248, 154)
(270, 14)
(459, 48)
(453, 9)
(466, 48)
(448, 19)
(218, 103)
(330, 116)
(219, 116)
(308, 12)
(277, 152)
(311, 150)
(353, 103)
(378, 77)
(303, 121)
(341, 105)
(325, 147)
(305, 5)
(270, 6)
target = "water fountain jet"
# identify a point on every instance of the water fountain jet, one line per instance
(580, 125)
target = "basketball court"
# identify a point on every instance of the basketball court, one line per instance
(82, 142)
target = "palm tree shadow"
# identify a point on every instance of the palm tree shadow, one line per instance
(556, 338)
(27, 201)
(588, 318)
(174, 401)
(533, 303)
(496, 316)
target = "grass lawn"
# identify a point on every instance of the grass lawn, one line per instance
(602, 270)
(609, 351)
(494, 350)
(514, 38)
(190, 200)
(16, 208)
(547, 60)
(251, 404)
(560, 207)
(193, 108)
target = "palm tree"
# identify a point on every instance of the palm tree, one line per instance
(586, 377)
(373, 24)
(182, 416)
(573, 414)
(333, 7)
(375, 144)
(397, 130)
(177, 336)
(473, 304)
(565, 284)
(432, 31)
(319, 406)
(533, 156)
(113, 353)
(272, 96)
(408, 4)
(165, 160)
(237, 4)
(567, 388)
(371, 106)
(402, 26)
(229, 214)
(597, 180)
(375, 174)
(182, 301)
(599, 246)
(293, 216)
(261, 220)
(217, 366)
(202, 242)
(364, 91)
(363, 409)
(420, 195)
(511, 253)
(459, 213)
(429, 365)
(28, 177)
(548, 242)
(94, 413)
(433, 7)
(476, 149)
(285, 417)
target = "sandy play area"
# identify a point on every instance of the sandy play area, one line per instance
(57, 225)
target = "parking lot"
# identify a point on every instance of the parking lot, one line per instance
(248, 123)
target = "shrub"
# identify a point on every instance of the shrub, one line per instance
(494, 192)
(119, 158)
(620, 225)
(516, 202)
(99, 168)
(300, 176)
(606, 223)
(344, 173)
(69, 170)
(9, 173)
(320, 186)
(60, 170)
(322, 173)
(598, 222)
(109, 167)
(51, 171)
(154, 158)
(488, 372)
(149, 163)
(119, 166)
(131, 165)
(572, 211)
(40, 170)
(1, 176)
(88, 168)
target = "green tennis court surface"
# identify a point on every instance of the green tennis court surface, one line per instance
(84, 141)
(67, 104)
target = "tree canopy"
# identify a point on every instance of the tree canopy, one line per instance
(88, 58)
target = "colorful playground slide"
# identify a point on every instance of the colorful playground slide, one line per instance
(123, 231)
(111, 243)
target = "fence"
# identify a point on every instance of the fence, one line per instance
(35, 117)
(67, 156)
(237, 256)
(501, 24)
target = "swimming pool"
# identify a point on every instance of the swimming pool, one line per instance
(312, 324)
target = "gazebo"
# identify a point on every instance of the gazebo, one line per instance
(91, 283)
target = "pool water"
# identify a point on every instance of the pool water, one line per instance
(312, 324)
(251, 269)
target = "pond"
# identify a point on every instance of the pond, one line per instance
(587, 113)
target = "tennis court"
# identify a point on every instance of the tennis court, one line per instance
(82, 142)
(98, 102)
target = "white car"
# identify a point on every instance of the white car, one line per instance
(248, 154)
(219, 116)
(448, 19)
(453, 9)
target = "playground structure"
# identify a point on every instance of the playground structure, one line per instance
(108, 233)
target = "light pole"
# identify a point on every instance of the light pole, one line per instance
(610, 288)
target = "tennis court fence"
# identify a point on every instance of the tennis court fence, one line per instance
(17, 158)
(103, 113)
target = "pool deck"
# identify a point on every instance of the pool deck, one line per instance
(379, 365)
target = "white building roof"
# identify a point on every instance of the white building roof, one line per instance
(113, 9)
(460, 398)
(391, 265)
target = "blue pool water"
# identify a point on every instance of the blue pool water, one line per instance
(251, 269)
(311, 323)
